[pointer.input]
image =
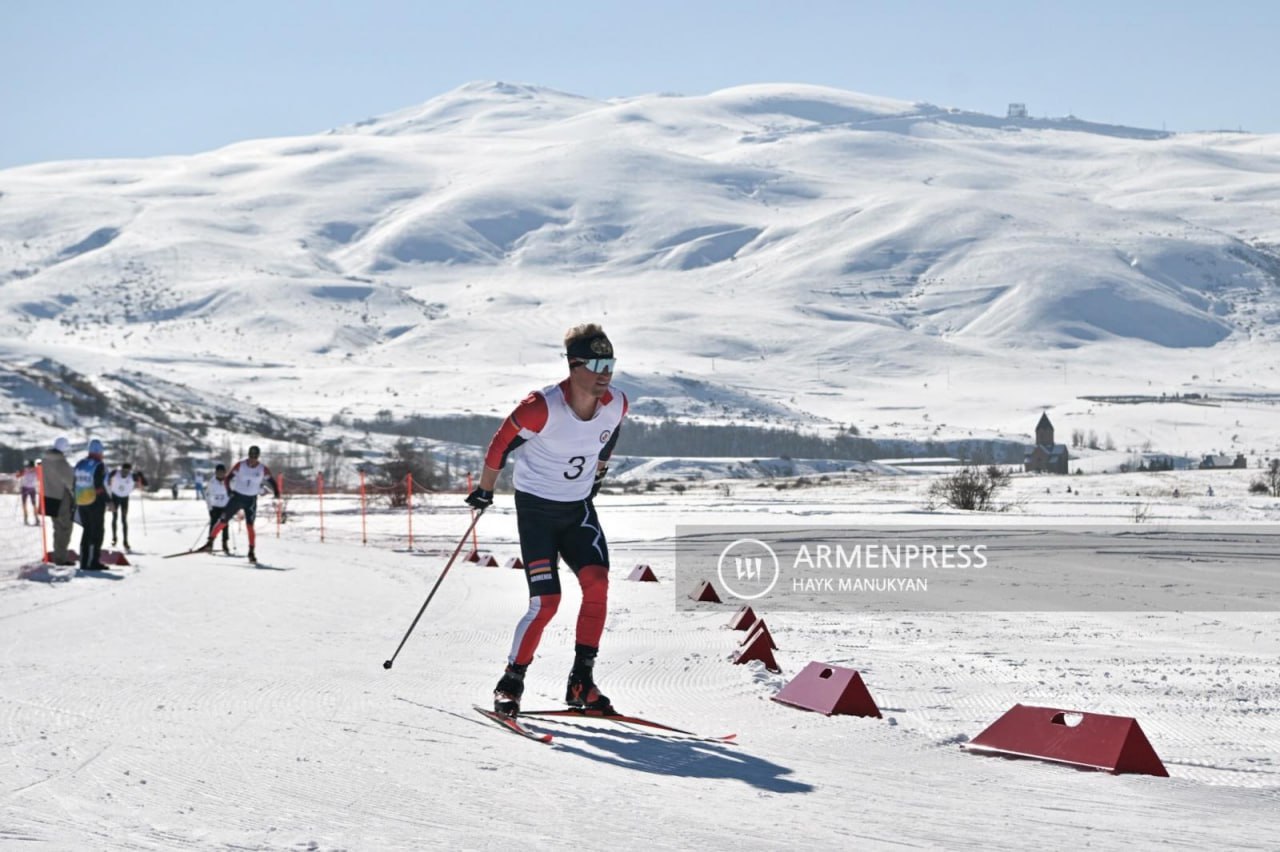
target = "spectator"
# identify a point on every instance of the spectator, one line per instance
(90, 477)
(199, 483)
(59, 498)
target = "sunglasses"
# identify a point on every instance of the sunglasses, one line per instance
(595, 365)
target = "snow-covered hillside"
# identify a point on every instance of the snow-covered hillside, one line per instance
(822, 255)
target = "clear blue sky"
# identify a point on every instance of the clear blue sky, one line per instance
(146, 77)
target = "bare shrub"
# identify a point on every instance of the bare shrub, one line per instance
(970, 488)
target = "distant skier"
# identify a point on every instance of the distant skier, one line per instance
(120, 484)
(29, 479)
(244, 481)
(216, 497)
(566, 433)
(91, 504)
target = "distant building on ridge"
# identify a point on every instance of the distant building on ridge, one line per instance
(1217, 462)
(1017, 111)
(1046, 456)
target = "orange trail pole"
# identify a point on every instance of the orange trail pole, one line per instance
(279, 500)
(364, 529)
(44, 541)
(408, 488)
(320, 493)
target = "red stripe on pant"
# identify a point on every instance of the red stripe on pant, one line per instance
(594, 580)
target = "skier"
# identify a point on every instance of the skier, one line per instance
(28, 481)
(567, 433)
(216, 497)
(244, 482)
(120, 484)
(91, 503)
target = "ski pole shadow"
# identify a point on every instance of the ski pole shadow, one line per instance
(672, 756)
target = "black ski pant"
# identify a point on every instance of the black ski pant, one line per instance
(92, 526)
(215, 515)
(120, 509)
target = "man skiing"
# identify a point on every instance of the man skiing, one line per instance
(244, 482)
(90, 476)
(216, 497)
(120, 484)
(566, 434)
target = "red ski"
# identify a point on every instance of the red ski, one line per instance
(512, 725)
(571, 713)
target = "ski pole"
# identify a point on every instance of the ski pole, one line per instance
(448, 565)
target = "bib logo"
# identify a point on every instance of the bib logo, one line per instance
(604, 436)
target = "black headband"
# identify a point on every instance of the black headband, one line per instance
(591, 347)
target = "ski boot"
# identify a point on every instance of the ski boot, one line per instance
(253, 557)
(226, 549)
(506, 695)
(581, 692)
(207, 547)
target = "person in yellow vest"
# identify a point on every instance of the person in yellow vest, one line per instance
(90, 477)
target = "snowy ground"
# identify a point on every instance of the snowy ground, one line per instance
(202, 703)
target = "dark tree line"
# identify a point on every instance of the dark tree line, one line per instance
(672, 438)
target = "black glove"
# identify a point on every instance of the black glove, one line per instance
(599, 480)
(480, 498)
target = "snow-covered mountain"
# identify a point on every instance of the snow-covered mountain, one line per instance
(778, 253)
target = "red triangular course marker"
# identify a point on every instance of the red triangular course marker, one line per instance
(112, 557)
(1089, 740)
(743, 619)
(514, 562)
(706, 593)
(758, 649)
(760, 628)
(829, 689)
(642, 574)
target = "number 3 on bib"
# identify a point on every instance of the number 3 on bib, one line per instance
(578, 463)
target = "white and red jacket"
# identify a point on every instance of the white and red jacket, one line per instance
(246, 480)
(559, 450)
